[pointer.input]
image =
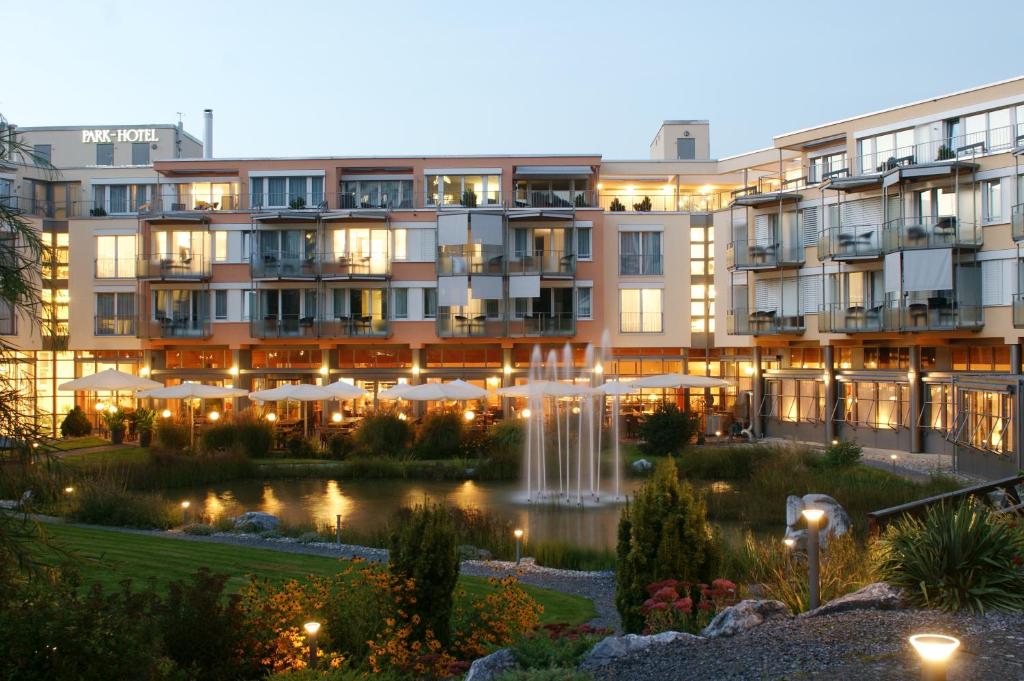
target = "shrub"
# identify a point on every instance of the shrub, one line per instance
(959, 557)
(255, 436)
(556, 645)
(115, 423)
(548, 674)
(424, 549)
(664, 533)
(440, 436)
(172, 436)
(723, 463)
(198, 529)
(678, 606)
(842, 454)
(383, 435)
(144, 418)
(667, 431)
(497, 620)
(106, 503)
(340, 446)
(300, 447)
(75, 424)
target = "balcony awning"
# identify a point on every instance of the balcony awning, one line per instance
(545, 214)
(550, 171)
(923, 171)
(762, 199)
(855, 183)
(355, 214)
(486, 288)
(170, 216)
(287, 216)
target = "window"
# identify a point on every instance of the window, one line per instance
(104, 154)
(297, 192)
(640, 253)
(140, 153)
(463, 190)
(686, 148)
(985, 421)
(429, 303)
(583, 304)
(115, 314)
(115, 256)
(120, 199)
(827, 166)
(401, 306)
(43, 153)
(220, 246)
(220, 304)
(401, 244)
(992, 201)
(583, 243)
(640, 310)
(8, 325)
(884, 152)
(376, 194)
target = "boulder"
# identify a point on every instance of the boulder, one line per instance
(877, 596)
(837, 520)
(642, 466)
(470, 552)
(610, 649)
(256, 521)
(745, 615)
(492, 666)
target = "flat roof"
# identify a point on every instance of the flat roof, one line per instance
(365, 158)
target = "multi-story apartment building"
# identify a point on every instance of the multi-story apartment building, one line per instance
(856, 280)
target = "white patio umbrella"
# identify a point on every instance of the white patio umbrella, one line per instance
(191, 391)
(457, 390)
(680, 381)
(109, 380)
(298, 392)
(527, 390)
(395, 392)
(345, 391)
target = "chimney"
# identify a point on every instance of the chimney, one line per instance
(207, 133)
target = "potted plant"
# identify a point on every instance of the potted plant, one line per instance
(616, 206)
(98, 212)
(114, 420)
(297, 203)
(644, 206)
(945, 153)
(144, 419)
(469, 198)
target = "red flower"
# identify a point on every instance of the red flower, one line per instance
(684, 605)
(666, 593)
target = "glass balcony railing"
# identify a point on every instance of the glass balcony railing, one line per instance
(468, 199)
(851, 318)
(188, 202)
(352, 201)
(638, 202)
(961, 147)
(469, 325)
(1018, 310)
(556, 198)
(850, 242)
(763, 255)
(344, 265)
(543, 324)
(932, 311)
(744, 322)
(470, 259)
(284, 326)
(114, 325)
(542, 262)
(276, 264)
(632, 265)
(169, 326)
(288, 201)
(944, 231)
(182, 265)
(354, 326)
(1017, 221)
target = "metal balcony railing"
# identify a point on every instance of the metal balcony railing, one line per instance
(1018, 310)
(744, 322)
(181, 265)
(469, 325)
(470, 259)
(945, 231)
(186, 202)
(284, 326)
(542, 262)
(354, 326)
(850, 242)
(334, 265)
(1017, 221)
(636, 202)
(630, 265)
(288, 201)
(851, 318)
(352, 201)
(763, 255)
(277, 264)
(467, 199)
(641, 322)
(164, 326)
(554, 198)
(961, 147)
(114, 268)
(932, 311)
(114, 325)
(543, 324)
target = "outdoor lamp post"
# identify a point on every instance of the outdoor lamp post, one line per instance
(813, 517)
(893, 457)
(166, 413)
(935, 651)
(469, 415)
(312, 629)
(184, 511)
(213, 415)
(271, 417)
(519, 544)
(336, 417)
(69, 490)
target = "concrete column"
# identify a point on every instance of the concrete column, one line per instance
(1015, 359)
(506, 380)
(758, 395)
(831, 392)
(416, 377)
(916, 399)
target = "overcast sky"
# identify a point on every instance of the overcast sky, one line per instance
(294, 78)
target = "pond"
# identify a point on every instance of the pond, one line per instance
(366, 505)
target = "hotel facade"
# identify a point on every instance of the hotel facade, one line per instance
(856, 280)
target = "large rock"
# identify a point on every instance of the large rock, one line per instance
(256, 521)
(837, 520)
(495, 664)
(642, 466)
(745, 615)
(610, 649)
(877, 596)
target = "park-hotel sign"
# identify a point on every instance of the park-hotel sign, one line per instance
(119, 135)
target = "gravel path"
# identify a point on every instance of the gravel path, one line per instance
(861, 645)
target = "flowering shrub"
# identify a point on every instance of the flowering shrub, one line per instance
(672, 605)
(557, 645)
(496, 620)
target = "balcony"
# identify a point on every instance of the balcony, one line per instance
(743, 322)
(268, 201)
(929, 232)
(459, 325)
(355, 326)
(543, 324)
(763, 255)
(850, 242)
(114, 325)
(655, 202)
(284, 326)
(944, 151)
(177, 266)
(470, 259)
(1017, 221)
(1018, 311)
(546, 263)
(188, 203)
(374, 201)
(933, 311)
(283, 265)
(179, 327)
(853, 318)
(771, 189)
(554, 198)
(641, 265)
(353, 266)
(468, 199)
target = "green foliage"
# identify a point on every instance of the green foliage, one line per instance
(667, 430)
(383, 434)
(255, 436)
(643, 206)
(959, 557)
(664, 533)
(440, 436)
(566, 556)
(423, 548)
(75, 424)
(300, 447)
(723, 463)
(171, 435)
(340, 446)
(115, 423)
(337, 675)
(108, 503)
(842, 454)
(556, 645)
(549, 674)
(144, 418)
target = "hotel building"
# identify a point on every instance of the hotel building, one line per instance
(857, 280)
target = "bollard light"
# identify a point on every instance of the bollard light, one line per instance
(469, 415)
(214, 415)
(184, 511)
(935, 651)
(789, 542)
(69, 490)
(813, 517)
(893, 457)
(166, 413)
(271, 417)
(835, 442)
(312, 629)
(336, 417)
(718, 433)
(527, 413)
(519, 544)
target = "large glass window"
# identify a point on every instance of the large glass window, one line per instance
(140, 153)
(583, 243)
(296, 192)
(401, 308)
(984, 420)
(429, 303)
(115, 314)
(115, 256)
(640, 310)
(463, 190)
(104, 154)
(376, 193)
(583, 302)
(992, 201)
(883, 152)
(120, 199)
(640, 253)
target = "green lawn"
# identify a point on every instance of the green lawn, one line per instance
(113, 455)
(71, 443)
(108, 557)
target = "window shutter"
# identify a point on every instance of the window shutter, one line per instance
(763, 232)
(996, 282)
(862, 212)
(810, 293)
(766, 295)
(812, 225)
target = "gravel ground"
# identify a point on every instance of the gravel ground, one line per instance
(868, 645)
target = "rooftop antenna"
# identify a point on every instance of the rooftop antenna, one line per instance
(180, 114)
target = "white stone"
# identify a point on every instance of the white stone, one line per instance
(745, 615)
(491, 666)
(877, 596)
(642, 466)
(837, 520)
(610, 649)
(256, 521)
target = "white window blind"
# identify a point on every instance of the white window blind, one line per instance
(812, 225)
(766, 295)
(862, 212)
(997, 282)
(764, 229)
(810, 293)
